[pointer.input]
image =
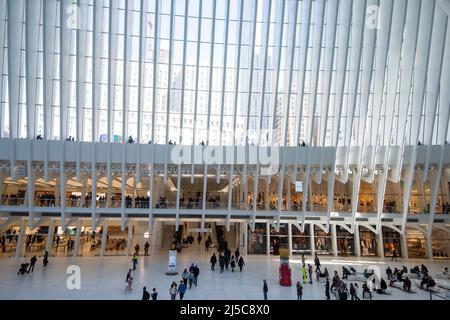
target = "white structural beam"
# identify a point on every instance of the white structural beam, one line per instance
(319, 14)
(341, 67)
(421, 62)
(3, 12)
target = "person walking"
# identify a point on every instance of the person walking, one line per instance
(191, 280)
(327, 289)
(145, 294)
(232, 264)
(353, 292)
(241, 263)
(154, 294)
(227, 260)
(237, 254)
(181, 289)
(304, 274)
(196, 272)
(299, 290)
(265, 289)
(146, 246)
(32, 263)
(199, 238)
(185, 276)
(134, 260)
(394, 254)
(173, 291)
(129, 281)
(316, 262)
(310, 272)
(207, 245)
(221, 263)
(45, 261)
(213, 261)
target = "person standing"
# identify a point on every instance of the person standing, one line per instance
(353, 292)
(241, 263)
(173, 291)
(196, 272)
(221, 263)
(32, 263)
(136, 249)
(146, 246)
(45, 258)
(134, 260)
(199, 238)
(327, 289)
(213, 261)
(154, 294)
(236, 254)
(265, 289)
(145, 294)
(181, 289)
(299, 290)
(304, 274)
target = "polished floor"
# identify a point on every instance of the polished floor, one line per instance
(104, 278)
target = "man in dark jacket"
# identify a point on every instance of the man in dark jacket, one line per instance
(316, 262)
(213, 261)
(327, 289)
(196, 273)
(265, 289)
(146, 294)
(32, 263)
(407, 284)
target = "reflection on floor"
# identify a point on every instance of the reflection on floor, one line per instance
(104, 278)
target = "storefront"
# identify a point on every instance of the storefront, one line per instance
(116, 241)
(90, 241)
(391, 242)
(35, 241)
(322, 241)
(368, 242)
(345, 242)
(301, 241)
(415, 240)
(279, 240)
(440, 241)
(257, 242)
(9, 241)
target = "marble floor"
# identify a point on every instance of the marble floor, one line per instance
(104, 277)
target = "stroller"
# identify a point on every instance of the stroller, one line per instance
(23, 268)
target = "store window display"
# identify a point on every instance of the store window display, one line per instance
(440, 242)
(300, 241)
(416, 243)
(279, 240)
(322, 241)
(368, 242)
(257, 239)
(345, 242)
(392, 242)
(116, 241)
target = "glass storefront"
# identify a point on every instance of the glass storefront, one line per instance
(8, 241)
(368, 242)
(322, 241)
(257, 239)
(440, 242)
(301, 241)
(279, 240)
(391, 242)
(415, 240)
(345, 242)
(116, 241)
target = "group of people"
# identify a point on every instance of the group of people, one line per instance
(227, 260)
(29, 267)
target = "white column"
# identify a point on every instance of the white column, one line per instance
(104, 237)
(19, 244)
(130, 233)
(83, 190)
(51, 232)
(334, 239)
(288, 192)
(290, 238)
(429, 247)
(134, 192)
(244, 226)
(380, 243)
(404, 246)
(77, 239)
(311, 239)
(357, 242)
(155, 234)
(108, 192)
(267, 238)
(266, 195)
